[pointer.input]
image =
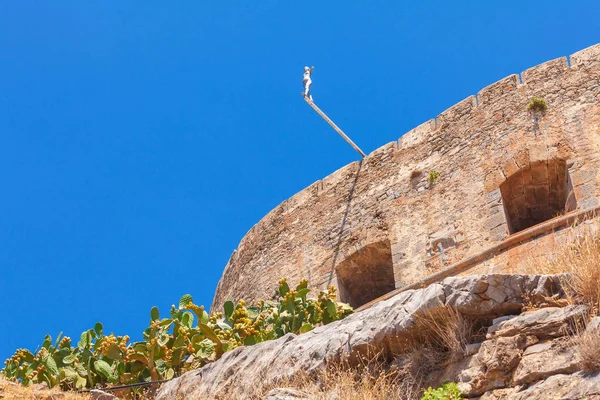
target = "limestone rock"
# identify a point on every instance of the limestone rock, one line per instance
(96, 394)
(593, 325)
(492, 367)
(512, 356)
(496, 295)
(286, 394)
(384, 327)
(558, 357)
(557, 387)
(544, 323)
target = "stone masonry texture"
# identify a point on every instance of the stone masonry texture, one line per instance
(501, 168)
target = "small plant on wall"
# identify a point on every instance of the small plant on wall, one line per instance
(433, 177)
(537, 104)
(537, 107)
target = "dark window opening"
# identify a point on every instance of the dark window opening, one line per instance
(366, 275)
(536, 194)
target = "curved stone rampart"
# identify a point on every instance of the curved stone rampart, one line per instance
(389, 208)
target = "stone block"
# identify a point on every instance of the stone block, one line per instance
(549, 70)
(583, 191)
(497, 90)
(510, 167)
(494, 196)
(522, 159)
(493, 180)
(495, 220)
(417, 135)
(456, 112)
(588, 203)
(499, 233)
(550, 322)
(586, 58)
(518, 207)
(560, 358)
(343, 177)
(538, 153)
(378, 153)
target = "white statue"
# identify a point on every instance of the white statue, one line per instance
(307, 82)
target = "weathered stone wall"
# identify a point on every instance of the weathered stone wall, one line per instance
(496, 162)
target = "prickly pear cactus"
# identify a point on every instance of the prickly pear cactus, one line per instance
(187, 339)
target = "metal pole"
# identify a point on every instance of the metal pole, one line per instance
(334, 126)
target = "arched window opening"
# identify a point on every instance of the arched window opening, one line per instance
(367, 274)
(536, 194)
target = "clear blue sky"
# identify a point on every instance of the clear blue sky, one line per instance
(141, 140)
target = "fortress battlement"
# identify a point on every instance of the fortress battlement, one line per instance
(479, 173)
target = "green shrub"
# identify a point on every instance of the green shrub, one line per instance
(537, 104)
(188, 339)
(448, 391)
(433, 177)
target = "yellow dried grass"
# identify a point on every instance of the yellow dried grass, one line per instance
(579, 257)
(14, 391)
(372, 379)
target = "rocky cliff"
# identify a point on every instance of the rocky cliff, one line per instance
(523, 343)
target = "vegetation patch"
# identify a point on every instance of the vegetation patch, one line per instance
(433, 177)
(185, 340)
(15, 391)
(370, 379)
(578, 260)
(448, 391)
(537, 104)
(588, 348)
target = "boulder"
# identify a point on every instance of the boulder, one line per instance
(492, 367)
(544, 323)
(554, 358)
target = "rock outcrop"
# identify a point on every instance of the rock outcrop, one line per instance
(528, 352)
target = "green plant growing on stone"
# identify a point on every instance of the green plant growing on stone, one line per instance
(433, 177)
(448, 391)
(293, 312)
(537, 104)
(97, 359)
(187, 339)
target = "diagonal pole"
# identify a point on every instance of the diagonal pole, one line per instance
(334, 126)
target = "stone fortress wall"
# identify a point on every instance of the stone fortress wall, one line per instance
(380, 224)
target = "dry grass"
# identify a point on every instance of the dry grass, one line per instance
(588, 347)
(448, 331)
(579, 257)
(13, 391)
(443, 337)
(372, 379)
(416, 367)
